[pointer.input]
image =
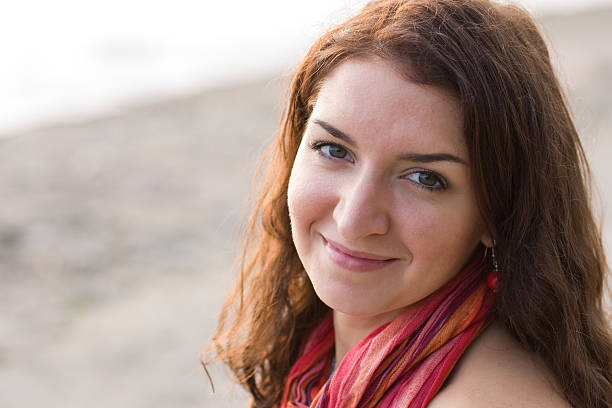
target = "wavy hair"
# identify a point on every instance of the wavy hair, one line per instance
(530, 175)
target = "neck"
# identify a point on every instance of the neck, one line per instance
(349, 330)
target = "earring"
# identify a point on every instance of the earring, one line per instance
(493, 277)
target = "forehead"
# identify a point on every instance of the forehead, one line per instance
(370, 100)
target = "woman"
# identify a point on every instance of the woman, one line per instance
(426, 192)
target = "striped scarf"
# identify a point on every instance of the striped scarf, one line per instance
(402, 363)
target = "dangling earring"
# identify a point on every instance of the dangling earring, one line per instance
(493, 277)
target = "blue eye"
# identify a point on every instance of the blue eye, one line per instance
(332, 151)
(427, 180)
(337, 152)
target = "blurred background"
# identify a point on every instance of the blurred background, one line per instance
(129, 131)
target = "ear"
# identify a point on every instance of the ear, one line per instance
(487, 239)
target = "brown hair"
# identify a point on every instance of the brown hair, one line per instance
(528, 168)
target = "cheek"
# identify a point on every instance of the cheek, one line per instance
(310, 199)
(438, 231)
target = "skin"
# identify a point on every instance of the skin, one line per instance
(497, 372)
(383, 213)
(359, 186)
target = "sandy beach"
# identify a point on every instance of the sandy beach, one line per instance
(118, 234)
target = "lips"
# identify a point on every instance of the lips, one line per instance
(355, 261)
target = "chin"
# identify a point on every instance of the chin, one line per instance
(352, 302)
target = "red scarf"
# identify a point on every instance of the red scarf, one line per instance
(402, 363)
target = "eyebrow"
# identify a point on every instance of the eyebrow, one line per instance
(413, 157)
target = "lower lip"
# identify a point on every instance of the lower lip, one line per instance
(352, 263)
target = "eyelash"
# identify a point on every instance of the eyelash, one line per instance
(318, 146)
(442, 184)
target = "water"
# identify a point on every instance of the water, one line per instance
(70, 59)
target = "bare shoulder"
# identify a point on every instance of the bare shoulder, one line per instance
(496, 371)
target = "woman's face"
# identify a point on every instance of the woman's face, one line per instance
(382, 207)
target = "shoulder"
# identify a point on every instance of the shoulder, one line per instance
(495, 371)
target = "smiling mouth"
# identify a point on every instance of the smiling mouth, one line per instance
(354, 260)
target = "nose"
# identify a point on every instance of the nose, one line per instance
(362, 209)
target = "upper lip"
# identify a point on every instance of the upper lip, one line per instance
(357, 254)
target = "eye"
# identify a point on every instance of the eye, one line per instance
(332, 151)
(427, 180)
